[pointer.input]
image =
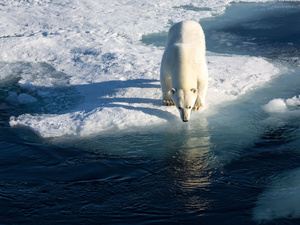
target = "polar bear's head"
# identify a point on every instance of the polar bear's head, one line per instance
(184, 100)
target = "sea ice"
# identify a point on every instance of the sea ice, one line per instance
(95, 47)
(122, 104)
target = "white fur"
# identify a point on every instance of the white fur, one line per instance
(183, 73)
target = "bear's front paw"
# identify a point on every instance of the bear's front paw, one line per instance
(168, 102)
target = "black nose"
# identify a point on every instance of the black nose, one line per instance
(185, 120)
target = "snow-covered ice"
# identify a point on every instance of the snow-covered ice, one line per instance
(137, 102)
(95, 46)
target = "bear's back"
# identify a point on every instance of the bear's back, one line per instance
(186, 32)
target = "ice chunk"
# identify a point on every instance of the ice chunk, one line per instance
(26, 98)
(275, 106)
(23, 98)
(12, 98)
(282, 112)
(280, 105)
(293, 102)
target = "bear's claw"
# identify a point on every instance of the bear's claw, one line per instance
(197, 107)
(168, 102)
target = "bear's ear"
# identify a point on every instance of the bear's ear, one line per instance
(173, 90)
(194, 90)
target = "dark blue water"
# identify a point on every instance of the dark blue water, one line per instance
(271, 30)
(207, 173)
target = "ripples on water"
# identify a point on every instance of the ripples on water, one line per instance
(211, 172)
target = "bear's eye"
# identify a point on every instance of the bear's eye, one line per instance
(179, 107)
(190, 107)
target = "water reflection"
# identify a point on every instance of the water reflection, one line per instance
(188, 164)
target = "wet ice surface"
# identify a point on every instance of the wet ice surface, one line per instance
(73, 148)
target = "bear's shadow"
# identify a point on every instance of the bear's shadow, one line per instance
(102, 95)
(61, 97)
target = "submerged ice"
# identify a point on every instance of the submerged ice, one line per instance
(281, 199)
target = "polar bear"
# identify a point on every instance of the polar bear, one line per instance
(183, 72)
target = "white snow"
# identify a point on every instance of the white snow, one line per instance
(95, 47)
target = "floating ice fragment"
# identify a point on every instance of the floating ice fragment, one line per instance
(275, 106)
(280, 105)
(293, 102)
(12, 98)
(23, 98)
(26, 99)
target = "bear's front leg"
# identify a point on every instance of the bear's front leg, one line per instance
(166, 90)
(201, 93)
(167, 99)
(199, 104)
(168, 102)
